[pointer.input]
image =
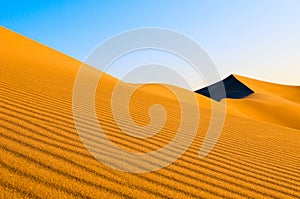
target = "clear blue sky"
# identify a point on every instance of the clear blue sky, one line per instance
(255, 38)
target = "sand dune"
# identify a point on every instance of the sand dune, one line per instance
(234, 89)
(42, 155)
(262, 101)
(272, 103)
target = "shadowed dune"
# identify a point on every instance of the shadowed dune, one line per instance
(258, 100)
(233, 89)
(42, 155)
(271, 103)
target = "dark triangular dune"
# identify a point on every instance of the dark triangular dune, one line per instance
(234, 89)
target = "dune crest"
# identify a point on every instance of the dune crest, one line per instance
(271, 103)
(234, 89)
(261, 101)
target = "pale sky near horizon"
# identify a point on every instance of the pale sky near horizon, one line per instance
(254, 38)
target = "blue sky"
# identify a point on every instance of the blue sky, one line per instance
(255, 38)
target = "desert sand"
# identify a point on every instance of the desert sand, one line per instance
(42, 155)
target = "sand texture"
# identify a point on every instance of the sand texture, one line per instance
(42, 155)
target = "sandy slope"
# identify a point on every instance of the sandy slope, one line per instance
(42, 155)
(271, 103)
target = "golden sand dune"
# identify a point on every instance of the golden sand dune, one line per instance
(272, 103)
(42, 155)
